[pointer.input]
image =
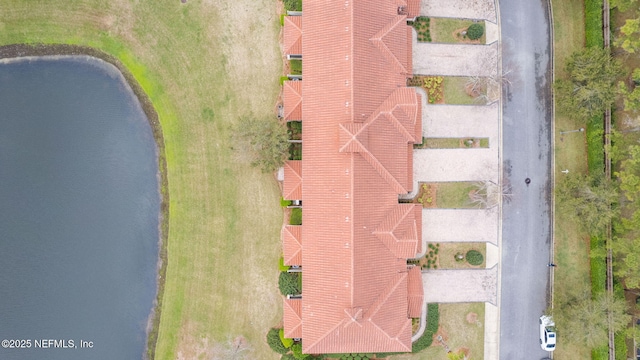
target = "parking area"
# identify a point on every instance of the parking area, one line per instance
(466, 9)
(458, 286)
(460, 225)
(454, 59)
(452, 121)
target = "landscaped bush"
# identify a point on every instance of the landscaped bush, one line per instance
(293, 5)
(475, 31)
(355, 356)
(289, 283)
(281, 265)
(296, 349)
(433, 322)
(285, 341)
(284, 203)
(474, 257)
(273, 339)
(288, 357)
(296, 217)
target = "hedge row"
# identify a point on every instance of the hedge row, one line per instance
(433, 322)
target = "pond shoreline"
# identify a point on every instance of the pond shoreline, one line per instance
(38, 50)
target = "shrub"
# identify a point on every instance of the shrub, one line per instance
(282, 266)
(296, 349)
(285, 341)
(475, 31)
(284, 203)
(293, 5)
(296, 217)
(273, 339)
(289, 283)
(433, 322)
(474, 257)
(288, 357)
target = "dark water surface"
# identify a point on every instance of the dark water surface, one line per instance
(79, 211)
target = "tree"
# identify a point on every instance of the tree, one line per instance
(475, 31)
(288, 282)
(590, 88)
(622, 5)
(263, 141)
(629, 175)
(627, 260)
(590, 199)
(588, 320)
(629, 38)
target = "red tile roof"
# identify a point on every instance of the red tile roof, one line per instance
(359, 123)
(291, 245)
(416, 292)
(292, 37)
(292, 100)
(292, 184)
(291, 318)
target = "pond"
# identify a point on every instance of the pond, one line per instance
(79, 212)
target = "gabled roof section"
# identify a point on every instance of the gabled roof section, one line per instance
(292, 318)
(292, 100)
(392, 42)
(415, 292)
(385, 323)
(292, 184)
(292, 37)
(292, 244)
(399, 231)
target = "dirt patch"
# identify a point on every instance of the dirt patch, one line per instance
(472, 318)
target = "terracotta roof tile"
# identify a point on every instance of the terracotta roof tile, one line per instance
(359, 123)
(292, 36)
(416, 292)
(413, 8)
(292, 245)
(292, 184)
(292, 319)
(292, 100)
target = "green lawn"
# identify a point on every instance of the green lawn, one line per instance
(454, 195)
(571, 244)
(446, 30)
(454, 91)
(458, 332)
(197, 62)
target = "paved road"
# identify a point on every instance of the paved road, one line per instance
(527, 154)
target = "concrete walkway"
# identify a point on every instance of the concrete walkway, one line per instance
(452, 121)
(454, 59)
(466, 9)
(460, 225)
(461, 286)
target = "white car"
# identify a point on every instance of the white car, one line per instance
(547, 333)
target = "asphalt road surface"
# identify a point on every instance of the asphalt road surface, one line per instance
(526, 236)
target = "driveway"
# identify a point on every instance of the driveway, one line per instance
(463, 121)
(460, 286)
(466, 9)
(460, 225)
(433, 165)
(454, 59)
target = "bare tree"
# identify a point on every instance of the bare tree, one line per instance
(488, 194)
